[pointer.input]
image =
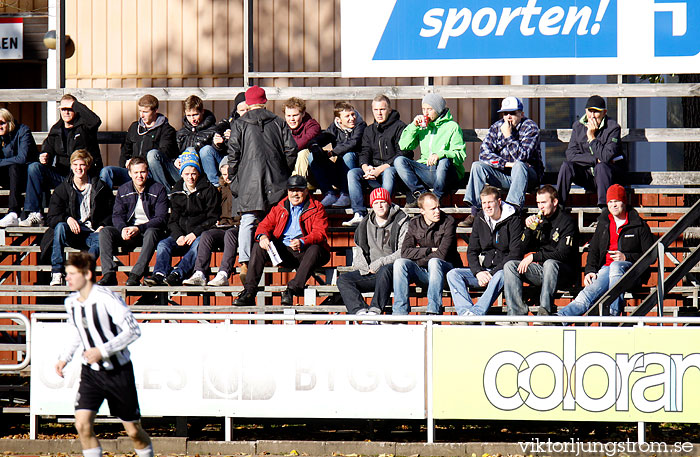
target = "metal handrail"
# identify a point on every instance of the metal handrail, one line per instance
(655, 252)
(16, 317)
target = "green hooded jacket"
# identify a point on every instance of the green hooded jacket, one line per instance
(442, 137)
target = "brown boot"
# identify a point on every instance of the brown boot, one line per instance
(243, 273)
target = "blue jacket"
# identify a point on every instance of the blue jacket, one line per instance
(155, 205)
(19, 147)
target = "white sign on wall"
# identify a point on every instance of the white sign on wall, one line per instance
(336, 371)
(536, 37)
(11, 32)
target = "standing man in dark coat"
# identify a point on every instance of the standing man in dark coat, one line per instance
(262, 153)
(594, 158)
(77, 129)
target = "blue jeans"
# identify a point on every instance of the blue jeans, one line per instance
(546, 276)
(39, 176)
(327, 173)
(167, 248)
(608, 276)
(114, 176)
(162, 168)
(62, 237)
(419, 177)
(460, 279)
(246, 231)
(356, 184)
(211, 158)
(522, 177)
(407, 271)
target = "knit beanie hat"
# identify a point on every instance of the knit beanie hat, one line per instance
(436, 102)
(255, 96)
(379, 193)
(223, 163)
(189, 158)
(616, 192)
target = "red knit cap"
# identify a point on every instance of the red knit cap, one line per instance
(379, 193)
(255, 96)
(616, 192)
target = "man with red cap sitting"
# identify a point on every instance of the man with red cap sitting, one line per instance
(620, 239)
(378, 240)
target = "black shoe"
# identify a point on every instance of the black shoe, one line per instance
(108, 279)
(157, 279)
(174, 279)
(246, 298)
(287, 297)
(133, 280)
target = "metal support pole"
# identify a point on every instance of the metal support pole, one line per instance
(228, 433)
(622, 107)
(247, 41)
(429, 381)
(660, 290)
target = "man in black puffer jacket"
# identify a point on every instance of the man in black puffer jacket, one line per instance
(261, 156)
(198, 134)
(611, 253)
(195, 206)
(77, 129)
(79, 208)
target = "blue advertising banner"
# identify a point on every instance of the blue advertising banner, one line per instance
(483, 37)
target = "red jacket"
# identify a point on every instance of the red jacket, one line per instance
(313, 222)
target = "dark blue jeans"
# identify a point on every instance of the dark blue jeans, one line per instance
(168, 248)
(62, 237)
(40, 177)
(419, 177)
(356, 185)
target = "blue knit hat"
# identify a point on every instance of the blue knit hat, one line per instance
(189, 158)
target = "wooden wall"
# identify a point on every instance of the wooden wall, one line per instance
(182, 43)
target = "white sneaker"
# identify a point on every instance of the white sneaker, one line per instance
(329, 199)
(355, 221)
(32, 220)
(343, 201)
(221, 279)
(56, 279)
(10, 220)
(197, 279)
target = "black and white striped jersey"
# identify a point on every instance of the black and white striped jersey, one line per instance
(102, 321)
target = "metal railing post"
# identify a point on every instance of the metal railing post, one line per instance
(429, 382)
(660, 288)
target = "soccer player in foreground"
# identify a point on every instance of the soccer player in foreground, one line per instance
(104, 326)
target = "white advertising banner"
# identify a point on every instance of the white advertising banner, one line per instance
(11, 32)
(518, 37)
(336, 371)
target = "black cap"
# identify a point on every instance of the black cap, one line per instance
(595, 102)
(296, 182)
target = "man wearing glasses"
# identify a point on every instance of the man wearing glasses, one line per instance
(77, 129)
(510, 158)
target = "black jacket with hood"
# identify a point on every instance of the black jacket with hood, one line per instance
(606, 147)
(193, 212)
(261, 156)
(496, 247)
(141, 139)
(380, 142)
(64, 203)
(190, 136)
(62, 142)
(421, 238)
(554, 238)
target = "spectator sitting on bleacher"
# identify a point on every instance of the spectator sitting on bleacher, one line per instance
(496, 238)
(261, 157)
(335, 152)
(442, 150)
(509, 158)
(223, 127)
(428, 252)
(198, 134)
(18, 149)
(611, 253)
(296, 230)
(195, 206)
(594, 158)
(378, 241)
(304, 128)
(152, 138)
(550, 238)
(139, 218)
(77, 129)
(79, 209)
(225, 235)
(380, 148)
